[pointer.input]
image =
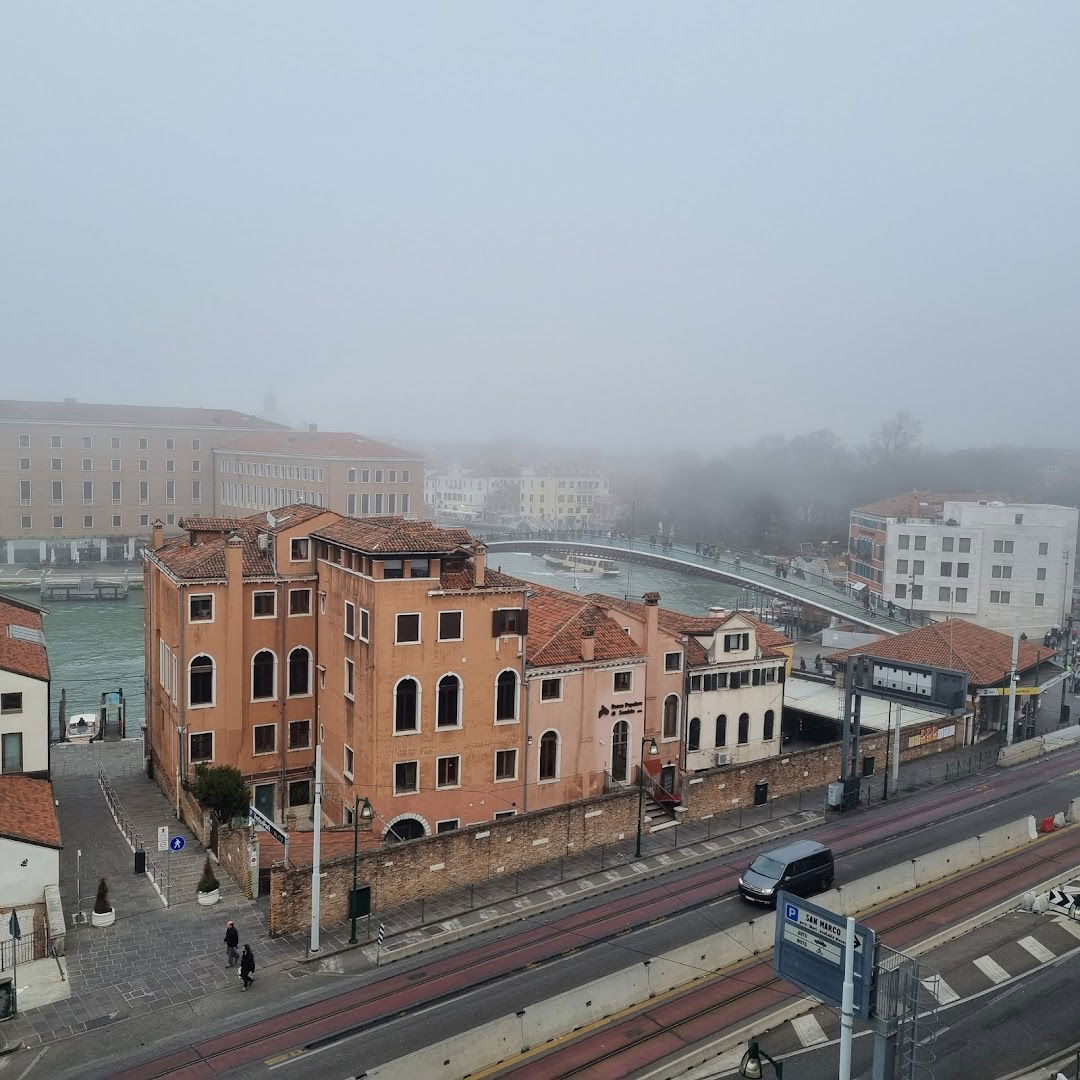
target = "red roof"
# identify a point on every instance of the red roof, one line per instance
(690, 627)
(23, 657)
(985, 655)
(318, 444)
(205, 561)
(557, 621)
(918, 504)
(27, 810)
(79, 412)
(394, 535)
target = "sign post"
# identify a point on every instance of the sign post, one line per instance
(810, 946)
(16, 933)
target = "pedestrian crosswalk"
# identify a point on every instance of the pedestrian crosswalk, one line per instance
(1037, 949)
(991, 969)
(940, 989)
(808, 1030)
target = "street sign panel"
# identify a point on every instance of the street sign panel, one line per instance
(14, 929)
(177, 843)
(919, 684)
(163, 838)
(809, 952)
(260, 821)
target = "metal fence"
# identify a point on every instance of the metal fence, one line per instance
(912, 777)
(158, 868)
(31, 946)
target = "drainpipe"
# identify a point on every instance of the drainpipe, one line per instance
(525, 692)
(182, 677)
(282, 595)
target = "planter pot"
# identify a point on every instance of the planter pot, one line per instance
(208, 898)
(103, 918)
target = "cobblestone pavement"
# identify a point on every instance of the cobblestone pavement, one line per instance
(153, 957)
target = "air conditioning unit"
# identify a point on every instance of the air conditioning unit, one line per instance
(723, 757)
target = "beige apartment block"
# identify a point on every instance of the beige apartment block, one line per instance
(83, 482)
(338, 470)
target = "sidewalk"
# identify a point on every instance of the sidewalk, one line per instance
(153, 956)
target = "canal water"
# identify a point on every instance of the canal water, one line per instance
(98, 645)
(94, 646)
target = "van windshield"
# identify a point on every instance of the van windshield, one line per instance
(767, 867)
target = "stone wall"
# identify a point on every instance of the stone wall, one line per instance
(437, 864)
(232, 854)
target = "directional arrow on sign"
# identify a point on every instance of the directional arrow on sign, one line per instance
(1060, 898)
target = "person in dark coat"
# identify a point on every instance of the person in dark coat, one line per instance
(232, 945)
(247, 967)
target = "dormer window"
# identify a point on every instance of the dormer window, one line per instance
(736, 642)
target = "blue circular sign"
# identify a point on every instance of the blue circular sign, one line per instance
(177, 843)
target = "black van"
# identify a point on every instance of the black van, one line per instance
(804, 867)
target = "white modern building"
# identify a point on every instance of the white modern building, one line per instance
(991, 562)
(24, 690)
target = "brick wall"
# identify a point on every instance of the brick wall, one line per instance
(437, 864)
(232, 854)
(425, 868)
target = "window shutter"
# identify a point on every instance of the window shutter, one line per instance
(524, 621)
(496, 623)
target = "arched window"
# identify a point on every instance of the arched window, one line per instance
(744, 728)
(549, 755)
(506, 695)
(201, 681)
(263, 675)
(406, 705)
(693, 741)
(671, 716)
(299, 672)
(448, 708)
(770, 719)
(620, 742)
(406, 828)
(721, 730)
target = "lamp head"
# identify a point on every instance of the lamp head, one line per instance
(750, 1066)
(653, 748)
(366, 813)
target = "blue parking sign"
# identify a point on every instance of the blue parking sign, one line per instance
(791, 912)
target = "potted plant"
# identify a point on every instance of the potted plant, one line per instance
(208, 888)
(103, 914)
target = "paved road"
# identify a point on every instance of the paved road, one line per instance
(964, 809)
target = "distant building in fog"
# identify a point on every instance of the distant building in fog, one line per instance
(987, 560)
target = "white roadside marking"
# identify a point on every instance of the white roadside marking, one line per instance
(808, 1030)
(1066, 922)
(992, 969)
(1037, 949)
(37, 1058)
(941, 990)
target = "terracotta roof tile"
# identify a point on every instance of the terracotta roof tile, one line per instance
(689, 627)
(16, 654)
(27, 810)
(206, 560)
(318, 444)
(493, 579)
(556, 622)
(918, 504)
(394, 535)
(80, 412)
(984, 654)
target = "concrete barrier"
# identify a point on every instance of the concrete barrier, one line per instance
(1073, 811)
(764, 929)
(1024, 751)
(1006, 838)
(54, 917)
(876, 888)
(947, 860)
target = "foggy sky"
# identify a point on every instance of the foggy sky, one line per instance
(671, 224)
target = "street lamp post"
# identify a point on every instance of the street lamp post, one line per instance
(750, 1066)
(367, 814)
(653, 751)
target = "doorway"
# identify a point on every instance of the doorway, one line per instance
(264, 800)
(620, 739)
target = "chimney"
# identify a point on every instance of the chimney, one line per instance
(652, 622)
(588, 644)
(479, 565)
(158, 534)
(234, 560)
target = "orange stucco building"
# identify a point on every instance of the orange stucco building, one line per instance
(444, 692)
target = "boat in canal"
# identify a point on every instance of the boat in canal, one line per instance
(583, 564)
(82, 727)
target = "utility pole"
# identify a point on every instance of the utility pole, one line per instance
(1068, 678)
(313, 946)
(847, 1009)
(1012, 683)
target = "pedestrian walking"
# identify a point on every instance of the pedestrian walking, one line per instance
(247, 967)
(232, 943)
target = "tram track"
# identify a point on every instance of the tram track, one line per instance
(352, 1012)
